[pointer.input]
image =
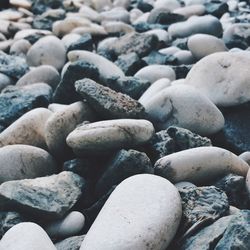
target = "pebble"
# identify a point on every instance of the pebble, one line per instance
(20, 47)
(5, 81)
(71, 243)
(248, 183)
(246, 157)
(26, 235)
(144, 208)
(192, 10)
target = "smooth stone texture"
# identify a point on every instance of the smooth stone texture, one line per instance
(171, 4)
(72, 243)
(184, 57)
(110, 135)
(54, 107)
(153, 73)
(248, 183)
(245, 156)
(185, 107)
(144, 208)
(43, 196)
(24, 161)
(26, 236)
(222, 83)
(20, 47)
(202, 45)
(193, 10)
(108, 103)
(205, 24)
(29, 129)
(47, 50)
(200, 165)
(43, 73)
(71, 225)
(5, 81)
(61, 123)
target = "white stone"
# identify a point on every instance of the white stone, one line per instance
(21, 3)
(29, 129)
(186, 107)
(26, 236)
(169, 4)
(20, 47)
(142, 213)
(162, 35)
(89, 13)
(10, 14)
(169, 50)
(116, 14)
(202, 45)
(68, 226)
(29, 32)
(101, 5)
(23, 161)
(246, 157)
(223, 77)
(70, 38)
(188, 11)
(155, 72)
(54, 107)
(113, 27)
(184, 57)
(200, 165)
(93, 29)
(248, 183)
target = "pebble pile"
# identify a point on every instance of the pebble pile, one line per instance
(124, 124)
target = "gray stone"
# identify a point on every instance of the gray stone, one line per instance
(51, 196)
(85, 42)
(72, 243)
(108, 103)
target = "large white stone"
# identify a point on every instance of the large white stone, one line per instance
(184, 106)
(223, 77)
(142, 213)
(248, 183)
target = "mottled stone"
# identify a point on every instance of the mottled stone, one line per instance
(71, 243)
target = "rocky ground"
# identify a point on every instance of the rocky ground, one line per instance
(124, 124)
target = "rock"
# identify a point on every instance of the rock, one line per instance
(216, 9)
(47, 50)
(43, 196)
(184, 185)
(158, 58)
(40, 6)
(202, 204)
(248, 183)
(24, 161)
(106, 68)
(109, 135)
(108, 103)
(200, 165)
(20, 47)
(117, 27)
(115, 14)
(71, 243)
(235, 188)
(29, 129)
(202, 45)
(205, 24)
(246, 157)
(193, 10)
(70, 39)
(71, 225)
(16, 101)
(142, 208)
(184, 57)
(124, 164)
(8, 220)
(43, 73)
(12, 66)
(183, 106)
(26, 235)
(54, 107)
(85, 42)
(65, 92)
(5, 81)
(153, 73)
(222, 83)
(61, 123)
(171, 4)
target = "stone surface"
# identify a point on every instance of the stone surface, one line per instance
(71, 243)
(42, 196)
(144, 208)
(85, 42)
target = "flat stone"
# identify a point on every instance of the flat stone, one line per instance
(108, 103)
(71, 243)
(43, 196)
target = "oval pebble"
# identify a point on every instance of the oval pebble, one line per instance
(248, 183)
(145, 211)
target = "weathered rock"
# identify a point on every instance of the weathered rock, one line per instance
(42, 196)
(192, 10)
(216, 8)
(5, 81)
(72, 243)
(108, 103)
(85, 42)
(156, 57)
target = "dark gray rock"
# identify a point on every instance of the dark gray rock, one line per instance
(8, 220)
(13, 66)
(65, 92)
(15, 101)
(40, 6)
(71, 243)
(181, 43)
(108, 103)
(181, 71)
(144, 6)
(125, 163)
(4, 4)
(235, 188)
(46, 197)
(145, 26)
(83, 43)
(216, 8)
(42, 23)
(156, 57)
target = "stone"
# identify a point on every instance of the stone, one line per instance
(12, 66)
(117, 27)
(42, 23)
(71, 243)
(171, 4)
(68, 226)
(85, 42)
(192, 10)
(246, 157)
(65, 92)
(43, 196)
(29, 129)
(44, 73)
(205, 24)
(5, 81)
(48, 50)
(104, 136)
(143, 208)
(115, 14)
(184, 57)
(23, 161)
(26, 235)
(162, 35)
(153, 73)
(183, 106)
(70, 39)
(40, 6)
(248, 183)
(202, 45)
(108, 103)
(200, 165)
(124, 164)
(156, 57)
(61, 123)
(222, 83)
(20, 47)
(216, 9)
(16, 101)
